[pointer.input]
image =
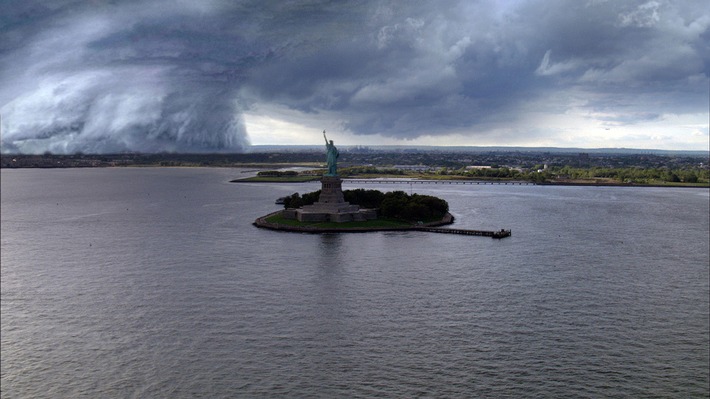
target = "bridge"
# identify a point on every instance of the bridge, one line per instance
(450, 182)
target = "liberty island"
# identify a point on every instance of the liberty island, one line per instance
(332, 213)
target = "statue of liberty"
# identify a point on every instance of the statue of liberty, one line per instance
(332, 157)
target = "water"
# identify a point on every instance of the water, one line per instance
(153, 283)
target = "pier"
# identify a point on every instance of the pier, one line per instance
(485, 233)
(449, 182)
(432, 227)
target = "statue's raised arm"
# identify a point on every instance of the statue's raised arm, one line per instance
(326, 139)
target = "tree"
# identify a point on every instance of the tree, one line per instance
(364, 198)
(295, 200)
(672, 177)
(393, 205)
(292, 201)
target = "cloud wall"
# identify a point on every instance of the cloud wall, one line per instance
(171, 75)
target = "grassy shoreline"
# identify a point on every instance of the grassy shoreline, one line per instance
(274, 221)
(377, 223)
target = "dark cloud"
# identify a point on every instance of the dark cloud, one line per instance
(178, 75)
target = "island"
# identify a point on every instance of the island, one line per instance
(331, 209)
(357, 210)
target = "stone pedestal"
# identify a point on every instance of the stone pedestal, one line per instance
(332, 207)
(331, 191)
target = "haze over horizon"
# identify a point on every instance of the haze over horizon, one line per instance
(218, 75)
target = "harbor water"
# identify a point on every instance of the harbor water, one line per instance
(153, 282)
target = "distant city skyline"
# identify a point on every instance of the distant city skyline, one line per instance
(217, 75)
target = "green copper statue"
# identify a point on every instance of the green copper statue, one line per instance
(332, 157)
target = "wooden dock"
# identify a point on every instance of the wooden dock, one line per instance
(485, 233)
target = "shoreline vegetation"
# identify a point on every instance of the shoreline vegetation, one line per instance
(274, 221)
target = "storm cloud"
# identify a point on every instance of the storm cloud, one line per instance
(159, 75)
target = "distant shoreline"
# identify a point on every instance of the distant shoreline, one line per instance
(560, 169)
(579, 184)
(484, 182)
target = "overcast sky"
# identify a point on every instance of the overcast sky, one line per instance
(219, 75)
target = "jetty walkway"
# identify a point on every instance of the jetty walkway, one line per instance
(404, 181)
(485, 233)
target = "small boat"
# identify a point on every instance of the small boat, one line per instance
(281, 201)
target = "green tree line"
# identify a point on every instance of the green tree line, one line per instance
(626, 174)
(391, 205)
